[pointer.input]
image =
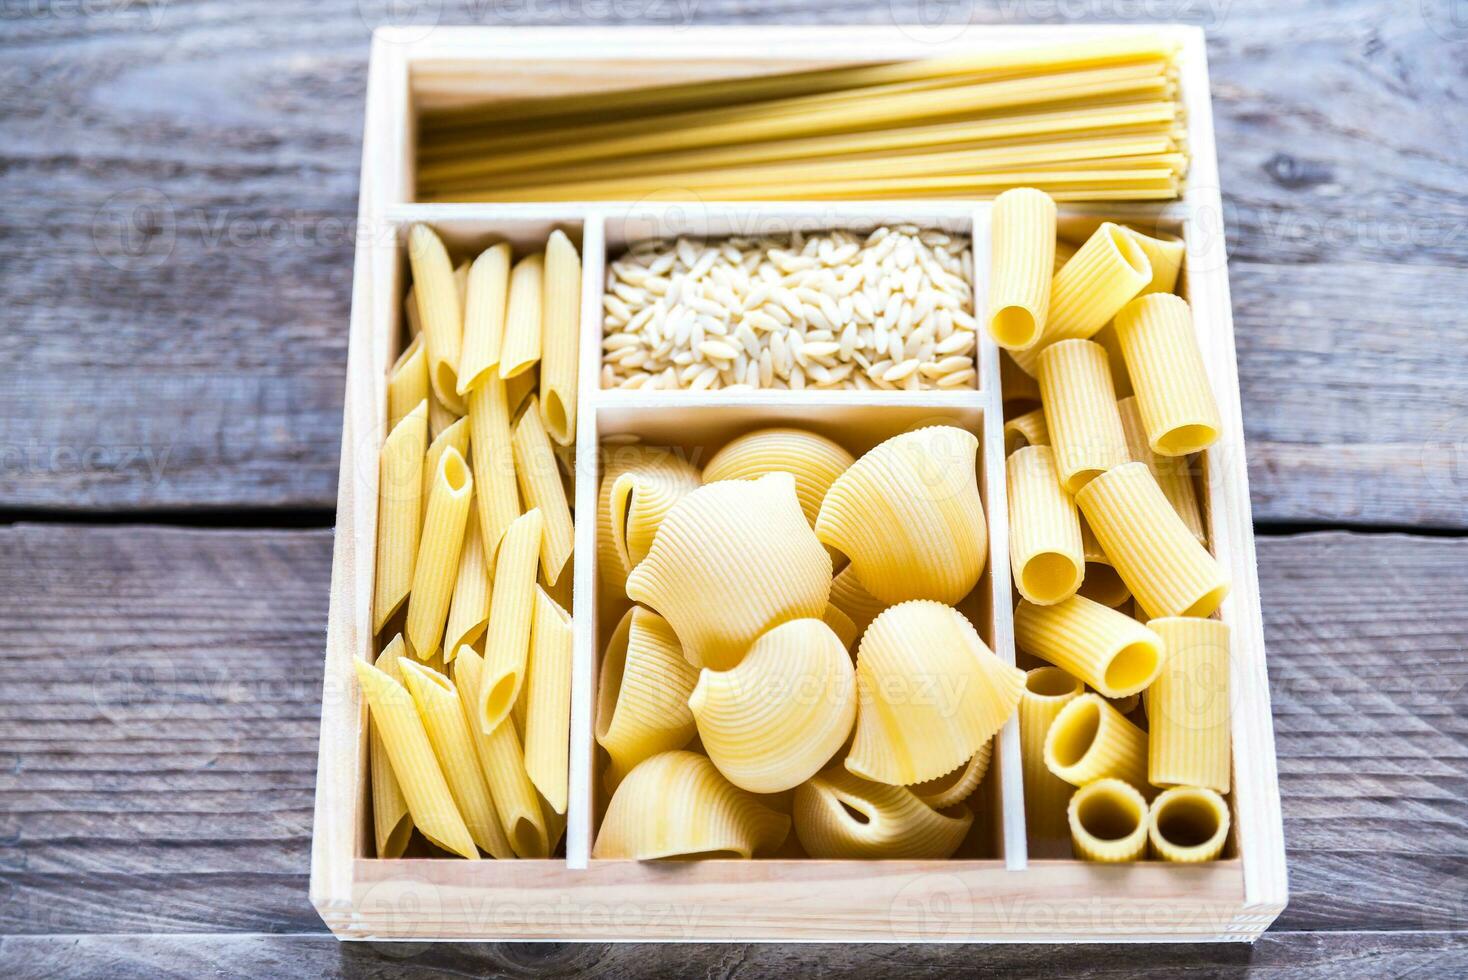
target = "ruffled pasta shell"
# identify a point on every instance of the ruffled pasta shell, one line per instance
(958, 785)
(852, 598)
(656, 463)
(729, 561)
(773, 721)
(839, 815)
(640, 501)
(642, 699)
(909, 517)
(930, 694)
(676, 805)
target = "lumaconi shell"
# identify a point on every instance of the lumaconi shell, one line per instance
(617, 460)
(893, 822)
(642, 696)
(958, 785)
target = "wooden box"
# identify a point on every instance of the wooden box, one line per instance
(1003, 896)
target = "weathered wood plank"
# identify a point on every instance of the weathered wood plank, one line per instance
(177, 244)
(162, 781)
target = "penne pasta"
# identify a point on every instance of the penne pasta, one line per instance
(511, 611)
(1047, 691)
(484, 316)
(1027, 429)
(456, 436)
(1090, 740)
(440, 313)
(1022, 258)
(438, 553)
(642, 696)
(392, 824)
(407, 382)
(410, 314)
(1107, 649)
(560, 338)
(640, 505)
(1166, 367)
(1108, 822)
(469, 606)
(1188, 706)
(1045, 548)
(1168, 572)
(1188, 824)
(497, 497)
(1080, 411)
(1102, 584)
(520, 350)
(1173, 473)
(399, 513)
(773, 720)
(841, 816)
(958, 785)
(547, 700)
(849, 596)
(539, 477)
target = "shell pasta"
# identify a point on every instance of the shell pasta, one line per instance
(840, 815)
(642, 700)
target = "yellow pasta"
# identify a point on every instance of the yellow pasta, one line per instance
(548, 701)
(1102, 584)
(745, 542)
(1188, 706)
(469, 607)
(1022, 259)
(539, 477)
(438, 553)
(1173, 473)
(841, 816)
(1027, 429)
(392, 824)
(496, 496)
(484, 316)
(909, 517)
(437, 700)
(1167, 570)
(851, 597)
(1045, 548)
(455, 436)
(1121, 382)
(521, 814)
(813, 460)
(399, 513)
(560, 338)
(1166, 367)
(1103, 275)
(511, 611)
(413, 762)
(772, 721)
(676, 804)
(407, 382)
(930, 693)
(958, 785)
(439, 417)
(663, 473)
(1047, 691)
(520, 350)
(1165, 254)
(642, 695)
(415, 325)
(1090, 740)
(1080, 411)
(439, 313)
(1108, 822)
(640, 499)
(1188, 824)
(841, 624)
(1107, 649)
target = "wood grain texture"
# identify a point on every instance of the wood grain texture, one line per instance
(178, 242)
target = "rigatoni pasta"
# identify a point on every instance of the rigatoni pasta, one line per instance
(1166, 368)
(1021, 262)
(1108, 822)
(1107, 649)
(1188, 824)
(1045, 548)
(1188, 706)
(1102, 584)
(1173, 473)
(1165, 254)
(1090, 740)
(1080, 411)
(1047, 691)
(1028, 429)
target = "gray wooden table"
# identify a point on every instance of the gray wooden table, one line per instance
(178, 182)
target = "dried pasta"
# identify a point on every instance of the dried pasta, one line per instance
(547, 700)
(496, 496)
(849, 596)
(438, 554)
(958, 785)
(1045, 547)
(841, 816)
(392, 824)
(399, 513)
(456, 436)
(484, 316)
(841, 624)
(1102, 584)
(1172, 473)
(1090, 740)
(1108, 822)
(469, 607)
(560, 338)
(1165, 253)
(1188, 824)
(1188, 706)
(1026, 429)
(407, 382)
(539, 476)
(520, 350)
(1021, 265)
(1080, 411)
(1107, 649)
(1047, 691)
(662, 474)
(642, 697)
(1166, 367)
(511, 611)
(439, 313)
(640, 499)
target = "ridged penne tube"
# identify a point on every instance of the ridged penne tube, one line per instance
(773, 720)
(661, 466)
(929, 694)
(1188, 824)
(1166, 367)
(1090, 740)
(520, 350)
(958, 785)
(484, 316)
(1107, 649)
(511, 611)
(469, 607)
(1173, 473)
(842, 625)
(399, 513)
(745, 542)
(1045, 548)
(841, 816)
(852, 598)
(909, 517)
(407, 382)
(437, 700)
(439, 313)
(391, 823)
(1108, 822)
(539, 476)
(642, 694)
(1102, 584)
(1168, 571)
(1188, 706)
(1080, 411)
(676, 804)
(438, 553)
(1165, 253)
(560, 337)
(415, 324)
(429, 801)
(547, 700)
(519, 389)
(640, 499)
(1028, 429)
(503, 763)
(497, 496)
(1021, 265)
(1047, 691)
(455, 436)
(1102, 277)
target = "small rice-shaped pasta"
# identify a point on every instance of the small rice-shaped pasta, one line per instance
(1109, 650)
(1080, 412)
(1021, 265)
(1028, 429)
(676, 804)
(930, 694)
(1165, 364)
(440, 313)
(1102, 583)
(1188, 706)
(772, 721)
(729, 561)
(851, 597)
(1173, 473)
(1165, 253)
(1108, 822)
(909, 516)
(1047, 691)
(642, 694)
(841, 816)
(958, 785)
(1045, 547)
(1188, 824)
(1090, 740)
(662, 473)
